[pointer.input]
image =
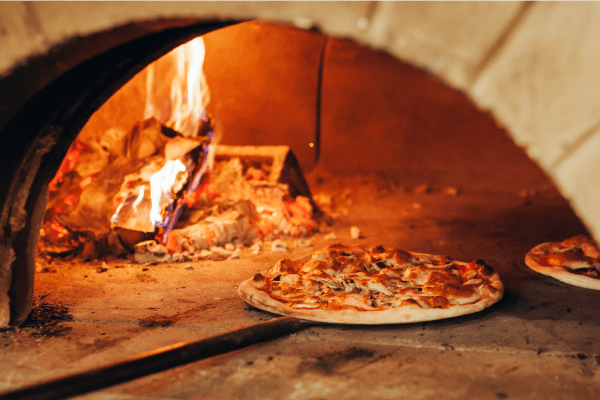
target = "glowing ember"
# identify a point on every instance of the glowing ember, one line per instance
(75, 151)
(60, 230)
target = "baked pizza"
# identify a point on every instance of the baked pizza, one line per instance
(574, 261)
(349, 285)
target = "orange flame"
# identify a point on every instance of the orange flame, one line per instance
(182, 110)
(189, 91)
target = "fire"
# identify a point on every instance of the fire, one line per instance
(162, 185)
(75, 151)
(188, 90)
(60, 230)
(189, 93)
(160, 179)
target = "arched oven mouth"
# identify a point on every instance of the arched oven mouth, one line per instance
(38, 136)
(370, 142)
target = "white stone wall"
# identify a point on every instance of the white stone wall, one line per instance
(533, 65)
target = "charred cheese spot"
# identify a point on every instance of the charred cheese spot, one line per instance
(377, 250)
(260, 282)
(484, 269)
(337, 246)
(402, 257)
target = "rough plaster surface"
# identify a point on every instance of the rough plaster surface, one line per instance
(448, 39)
(578, 178)
(55, 21)
(544, 84)
(544, 87)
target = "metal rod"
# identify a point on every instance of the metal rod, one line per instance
(158, 360)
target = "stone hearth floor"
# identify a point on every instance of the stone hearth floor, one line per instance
(540, 341)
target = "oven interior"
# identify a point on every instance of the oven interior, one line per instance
(385, 147)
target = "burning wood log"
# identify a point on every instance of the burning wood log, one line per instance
(245, 197)
(281, 165)
(112, 171)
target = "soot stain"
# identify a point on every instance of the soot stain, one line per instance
(331, 362)
(161, 321)
(47, 318)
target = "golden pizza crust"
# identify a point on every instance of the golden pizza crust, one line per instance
(558, 273)
(249, 291)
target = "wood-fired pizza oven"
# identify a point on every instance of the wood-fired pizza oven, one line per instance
(465, 129)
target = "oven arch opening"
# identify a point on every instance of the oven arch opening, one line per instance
(427, 96)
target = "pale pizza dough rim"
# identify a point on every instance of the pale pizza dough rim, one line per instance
(559, 273)
(398, 315)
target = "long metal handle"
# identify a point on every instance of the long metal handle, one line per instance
(158, 360)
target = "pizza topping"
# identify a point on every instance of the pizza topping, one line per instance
(342, 277)
(572, 259)
(359, 303)
(260, 281)
(575, 242)
(590, 250)
(575, 261)
(289, 278)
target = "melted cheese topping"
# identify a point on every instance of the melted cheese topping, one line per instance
(578, 255)
(342, 277)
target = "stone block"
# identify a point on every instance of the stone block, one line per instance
(544, 84)
(449, 39)
(61, 20)
(19, 36)
(578, 177)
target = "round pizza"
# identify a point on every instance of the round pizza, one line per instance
(349, 285)
(574, 261)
